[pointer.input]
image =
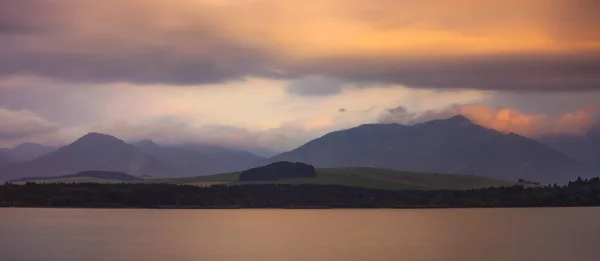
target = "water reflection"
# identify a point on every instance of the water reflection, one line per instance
(262, 235)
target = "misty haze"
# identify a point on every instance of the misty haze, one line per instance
(288, 130)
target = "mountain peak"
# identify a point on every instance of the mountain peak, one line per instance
(93, 151)
(147, 144)
(28, 145)
(28, 151)
(94, 137)
(97, 135)
(459, 119)
(453, 145)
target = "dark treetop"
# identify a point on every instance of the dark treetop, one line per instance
(279, 170)
(576, 193)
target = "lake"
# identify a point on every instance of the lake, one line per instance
(334, 235)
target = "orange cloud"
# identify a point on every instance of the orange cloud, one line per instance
(531, 125)
(506, 119)
(318, 123)
(478, 44)
(578, 122)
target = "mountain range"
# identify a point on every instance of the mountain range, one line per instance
(455, 146)
(93, 151)
(195, 159)
(23, 152)
(5, 158)
(101, 152)
(585, 148)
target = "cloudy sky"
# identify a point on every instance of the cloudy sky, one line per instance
(276, 73)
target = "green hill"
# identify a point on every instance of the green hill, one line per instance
(358, 177)
(364, 177)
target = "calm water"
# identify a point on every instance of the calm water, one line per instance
(279, 235)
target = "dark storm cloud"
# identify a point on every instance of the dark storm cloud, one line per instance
(192, 42)
(157, 66)
(397, 110)
(8, 25)
(532, 72)
(120, 41)
(551, 104)
(549, 72)
(11, 20)
(32, 16)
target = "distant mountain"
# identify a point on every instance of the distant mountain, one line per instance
(5, 158)
(586, 148)
(28, 151)
(232, 160)
(106, 175)
(195, 159)
(263, 152)
(186, 162)
(454, 145)
(93, 151)
(23, 152)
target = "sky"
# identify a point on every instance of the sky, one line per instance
(276, 73)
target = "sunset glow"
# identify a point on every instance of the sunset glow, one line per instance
(277, 73)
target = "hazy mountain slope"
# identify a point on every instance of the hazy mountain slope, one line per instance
(194, 159)
(5, 158)
(186, 162)
(91, 152)
(28, 151)
(454, 145)
(586, 149)
(228, 160)
(263, 152)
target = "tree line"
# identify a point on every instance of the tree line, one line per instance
(91, 195)
(278, 171)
